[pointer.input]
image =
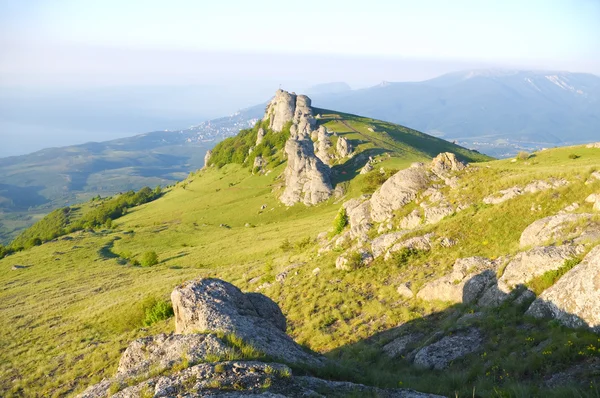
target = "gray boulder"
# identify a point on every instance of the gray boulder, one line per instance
(575, 299)
(446, 162)
(217, 306)
(382, 243)
(442, 353)
(359, 215)
(401, 345)
(397, 191)
(412, 220)
(260, 136)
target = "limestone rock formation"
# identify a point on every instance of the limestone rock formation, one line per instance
(441, 353)
(343, 147)
(307, 179)
(260, 136)
(593, 145)
(322, 145)
(412, 220)
(575, 299)
(217, 306)
(280, 110)
(207, 158)
(382, 243)
(533, 187)
(259, 164)
(420, 243)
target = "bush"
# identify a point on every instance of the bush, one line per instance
(340, 222)
(523, 155)
(574, 156)
(286, 246)
(149, 259)
(375, 179)
(159, 310)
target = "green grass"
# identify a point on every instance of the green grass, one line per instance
(68, 316)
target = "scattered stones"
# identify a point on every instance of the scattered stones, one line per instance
(442, 353)
(575, 299)
(533, 187)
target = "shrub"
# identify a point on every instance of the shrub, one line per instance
(158, 311)
(341, 220)
(523, 155)
(574, 156)
(149, 259)
(375, 179)
(286, 246)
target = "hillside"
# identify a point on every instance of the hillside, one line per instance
(376, 293)
(35, 184)
(498, 112)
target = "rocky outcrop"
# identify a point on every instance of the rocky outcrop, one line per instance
(593, 145)
(382, 243)
(259, 164)
(559, 228)
(419, 243)
(412, 220)
(322, 145)
(207, 158)
(217, 306)
(165, 351)
(191, 365)
(368, 167)
(260, 136)
(307, 179)
(280, 110)
(359, 215)
(575, 299)
(440, 354)
(594, 199)
(401, 345)
(446, 162)
(343, 147)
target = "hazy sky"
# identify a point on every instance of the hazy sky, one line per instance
(363, 42)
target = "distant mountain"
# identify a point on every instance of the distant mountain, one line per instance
(32, 185)
(495, 111)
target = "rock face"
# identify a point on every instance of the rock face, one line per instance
(343, 147)
(280, 110)
(260, 136)
(441, 353)
(217, 306)
(322, 145)
(575, 299)
(307, 179)
(552, 229)
(397, 191)
(207, 158)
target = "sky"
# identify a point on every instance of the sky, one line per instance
(139, 42)
(72, 71)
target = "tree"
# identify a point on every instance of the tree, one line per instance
(149, 259)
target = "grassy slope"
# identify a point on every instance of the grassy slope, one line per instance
(68, 316)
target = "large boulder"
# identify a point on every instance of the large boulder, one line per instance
(207, 158)
(558, 228)
(442, 353)
(307, 179)
(359, 215)
(399, 190)
(575, 299)
(383, 242)
(212, 305)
